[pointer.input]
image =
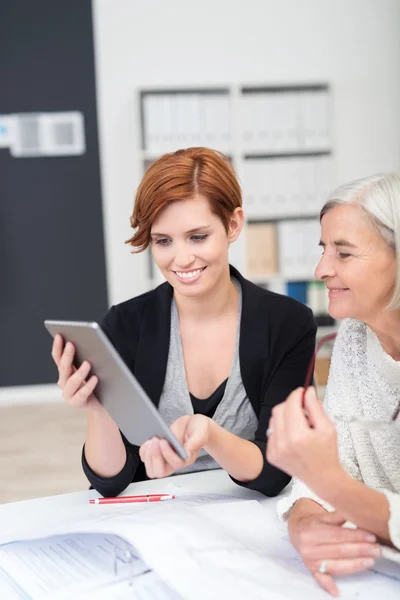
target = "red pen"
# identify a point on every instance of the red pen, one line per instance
(133, 499)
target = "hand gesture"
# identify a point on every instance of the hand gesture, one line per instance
(72, 381)
(160, 460)
(328, 549)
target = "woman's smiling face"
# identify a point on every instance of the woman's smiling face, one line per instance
(190, 245)
(357, 265)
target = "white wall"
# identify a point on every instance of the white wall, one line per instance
(354, 45)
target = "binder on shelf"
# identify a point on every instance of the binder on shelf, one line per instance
(324, 180)
(261, 249)
(152, 122)
(285, 124)
(314, 114)
(298, 248)
(297, 290)
(285, 187)
(190, 104)
(167, 136)
(217, 122)
(318, 301)
(270, 121)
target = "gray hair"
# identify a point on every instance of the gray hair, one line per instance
(379, 198)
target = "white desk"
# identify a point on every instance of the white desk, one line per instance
(16, 517)
(19, 517)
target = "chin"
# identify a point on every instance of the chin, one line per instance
(339, 312)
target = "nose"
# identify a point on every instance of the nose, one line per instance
(325, 268)
(184, 257)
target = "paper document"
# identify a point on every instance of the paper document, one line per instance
(197, 547)
(64, 566)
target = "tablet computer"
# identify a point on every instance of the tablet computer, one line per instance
(117, 389)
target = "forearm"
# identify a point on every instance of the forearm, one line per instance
(105, 451)
(242, 459)
(363, 506)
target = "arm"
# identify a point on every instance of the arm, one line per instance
(289, 374)
(109, 461)
(361, 505)
(307, 447)
(336, 390)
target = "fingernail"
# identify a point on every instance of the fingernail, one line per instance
(371, 538)
(368, 562)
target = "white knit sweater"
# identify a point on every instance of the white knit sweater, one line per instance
(363, 380)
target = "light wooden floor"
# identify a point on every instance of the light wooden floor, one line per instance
(40, 451)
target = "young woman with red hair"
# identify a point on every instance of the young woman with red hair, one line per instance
(214, 352)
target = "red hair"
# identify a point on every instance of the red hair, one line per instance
(179, 176)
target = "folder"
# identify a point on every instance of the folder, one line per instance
(314, 114)
(261, 249)
(298, 290)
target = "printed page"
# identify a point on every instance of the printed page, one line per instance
(59, 566)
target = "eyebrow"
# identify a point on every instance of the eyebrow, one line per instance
(201, 228)
(339, 243)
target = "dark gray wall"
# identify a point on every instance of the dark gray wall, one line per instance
(51, 238)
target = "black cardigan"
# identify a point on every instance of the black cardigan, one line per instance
(277, 339)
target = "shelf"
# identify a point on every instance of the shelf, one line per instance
(256, 220)
(152, 155)
(289, 154)
(278, 278)
(279, 89)
(185, 91)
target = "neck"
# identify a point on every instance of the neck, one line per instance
(217, 302)
(387, 330)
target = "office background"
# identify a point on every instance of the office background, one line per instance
(64, 219)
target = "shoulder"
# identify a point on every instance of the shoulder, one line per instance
(273, 324)
(351, 333)
(350, 344)
(278, 309)
(125, 318)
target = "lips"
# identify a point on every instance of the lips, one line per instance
(189, 276)
(336, 292)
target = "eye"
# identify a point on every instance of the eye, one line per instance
(344, 255)
(163, 241)
(199, 237)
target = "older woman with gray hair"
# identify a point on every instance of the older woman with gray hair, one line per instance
(346, 456)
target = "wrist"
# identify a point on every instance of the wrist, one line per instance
(331, 484)
(212, 435)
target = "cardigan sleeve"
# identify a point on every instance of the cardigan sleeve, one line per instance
(133, 468)
(289, 375)
(394, 516)
(333, 405)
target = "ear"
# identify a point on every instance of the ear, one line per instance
(235, 224)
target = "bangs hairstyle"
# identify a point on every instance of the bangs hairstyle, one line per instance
(378, 196)
(179, 176)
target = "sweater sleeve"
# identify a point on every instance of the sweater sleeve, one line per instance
(333, 405)
(112, 486)
(289, 375)
(394, 516)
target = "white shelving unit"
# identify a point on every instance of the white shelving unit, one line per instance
(279, 140)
